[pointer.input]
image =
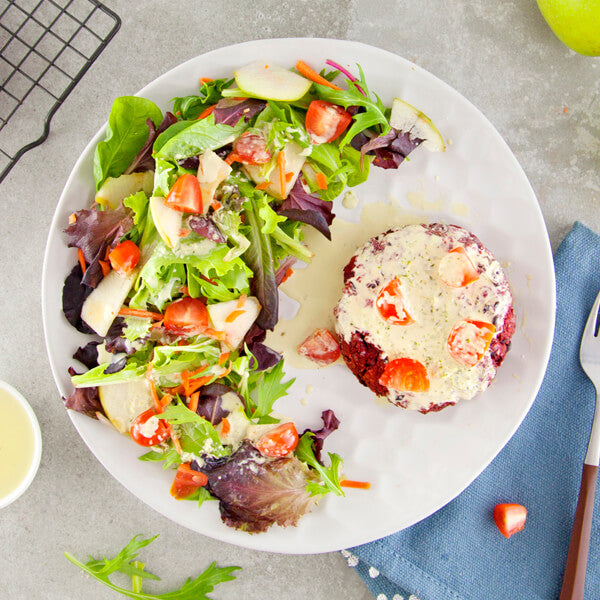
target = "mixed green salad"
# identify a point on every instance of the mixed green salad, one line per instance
(198, 217)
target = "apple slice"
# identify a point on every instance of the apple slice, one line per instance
(234, 318)
(406, 117)
(115, 189)
(103, 304)
(271, 82)
(166, 220)
(294, 161)
(212, 170)
(123, 402)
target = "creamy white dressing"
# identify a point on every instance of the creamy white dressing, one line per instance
(149, 428)
(413, 255)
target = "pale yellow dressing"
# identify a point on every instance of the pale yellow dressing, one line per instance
(16, 443)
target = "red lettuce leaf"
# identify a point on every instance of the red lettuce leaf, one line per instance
(144, 161)
(87, 355)
(205, 227)
(266, 357)
(85, 400)
(230, 111)
(307, 208)
(73, 296)
(330, 424)
(255, 492)
(386, 159)
(210, 402)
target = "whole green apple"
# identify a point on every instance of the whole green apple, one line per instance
(576, 23)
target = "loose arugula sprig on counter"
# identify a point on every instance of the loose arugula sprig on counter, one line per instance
(125, 562)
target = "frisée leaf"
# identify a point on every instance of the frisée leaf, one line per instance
(330, 476)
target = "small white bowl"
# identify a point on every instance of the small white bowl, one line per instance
(37, 446)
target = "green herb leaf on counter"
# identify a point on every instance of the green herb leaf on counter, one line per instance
(124, 562)
(330, 476)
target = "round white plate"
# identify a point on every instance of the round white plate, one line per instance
(415, 463)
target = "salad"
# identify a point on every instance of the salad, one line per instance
(198, 217)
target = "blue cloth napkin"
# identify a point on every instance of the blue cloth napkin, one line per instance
(457, 553)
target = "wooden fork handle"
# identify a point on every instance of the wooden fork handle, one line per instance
(574, 579)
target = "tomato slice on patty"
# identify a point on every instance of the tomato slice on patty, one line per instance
(456, 269)
(405, 375)
(469, 340)
(390, 304)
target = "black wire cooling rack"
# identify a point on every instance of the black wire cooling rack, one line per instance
(46, 47)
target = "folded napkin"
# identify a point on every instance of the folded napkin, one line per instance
(457, 553)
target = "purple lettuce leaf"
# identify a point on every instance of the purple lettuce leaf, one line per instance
(330, 424)
(210, 402)
(380, 141)
(116, 366)
(386, 159)
(265, 356)
(85, 400)
(144, 161)
(255, 492)
(87, 355)
(115, 342)
(307, 208)
(73, 296)
(205, 227)
(404, 144)
(93, 232)
(191, 163)
(389, 149)
(229, 111)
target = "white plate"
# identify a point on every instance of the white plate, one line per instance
(416, 463)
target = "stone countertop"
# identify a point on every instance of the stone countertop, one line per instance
(544, 100)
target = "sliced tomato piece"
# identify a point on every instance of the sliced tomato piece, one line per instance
(510, 518)
(251, 149)
(148, 430)
(187, 481)
(320, 347)
(325, 121)
(185, 195)
(405, 375)
(390, 304)
(469, 340)
(124, 257)
(186, 316)
(456, 269)
(279, 441)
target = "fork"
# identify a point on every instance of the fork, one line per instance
(574, 578)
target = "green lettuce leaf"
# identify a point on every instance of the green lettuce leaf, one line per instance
(191, 107)
(330, 478)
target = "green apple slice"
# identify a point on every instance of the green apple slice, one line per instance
(115, 189)
(406, 117)
(271, 82)
(123, 402)
(166, 220)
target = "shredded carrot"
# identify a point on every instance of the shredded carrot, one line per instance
(125, 311)
(166, 400)
(155, 399)
(156, 325)
(207, 279)
(204, 80)
(217, 335)
(232, 157)
(240, 98)
(184, 290)
(224, 356)
(107, 253)
(242, 300)
(321, 181)
(362, 485)
(281, 167)
(194, 398)
(216, 205)
(225, 426)
(72, 218)
(206, 112)
(178, 389)
(262, 186)
(81, 260)
(288, 177)
(566, 109)
(175, 439)
(184, 233)
(105, 266)
(311, 74)
(233, 315)
(287, 275)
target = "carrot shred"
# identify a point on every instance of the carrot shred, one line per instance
(207, 111)
(72, 218)
(311, 74)
(287, 275)
(204, 80)
(361, 485)
(262, 186)
(242, 300)
(288, 177)
(125, 311)
(232, 157)
(216, 205)
(233, 315)
(281, 167)
(105, 266)
(156, 325)
(224, 356)
(225, 426)
(194, 398)
(81, 260)
(183, 233)
(166, 400)
(184, 290)
(158, 408)
(178, 389)
(321, 181)
(213, 333)
(175, 439)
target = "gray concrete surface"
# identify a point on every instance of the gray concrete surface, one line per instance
(500, 55)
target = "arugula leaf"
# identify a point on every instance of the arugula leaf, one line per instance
(124, 562)
(268, 388)
(190, 107)
(170, 457)
(126, 134)
(330, 478)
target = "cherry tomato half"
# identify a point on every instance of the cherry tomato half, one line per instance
(456, 269)
(405, 375)
(320, 347)
(187, 316)
(279, 441)
(325, 121)
(390, 304)
(185, 195)
(187, 481)
(469, 340)
(124, 257)
(148, 430)
(510, 518)
(251, 149)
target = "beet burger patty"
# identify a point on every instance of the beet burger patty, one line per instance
(426, 316)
